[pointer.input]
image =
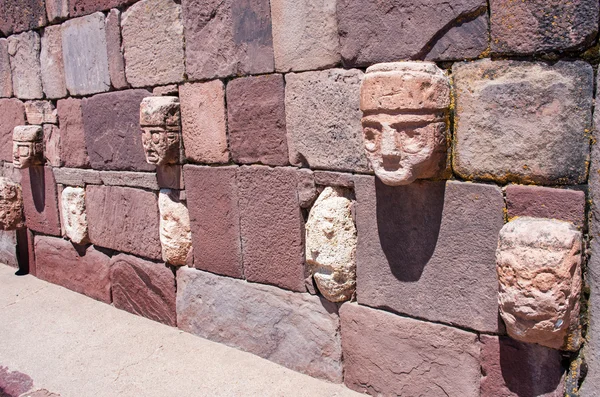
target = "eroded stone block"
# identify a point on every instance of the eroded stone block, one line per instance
(40, 112)
(5, 72)
(116, 61)
(20, 15)
(11, 205)
(52, 145)
(57, 9)
(77, 177)
(161, 129)
(175, 233)
(74, 218)
(8, 247)
(82, 7)
(40, 200)
(52, 63)
(24, 53)
(28, 146)
(144, 180)
(73, 149)
(12, 114)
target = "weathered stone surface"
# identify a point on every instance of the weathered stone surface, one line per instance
(114, 51)
(77, 177)
(143, 288)
(52, 63)
(20, 15)
(331, 244)
(544, 202)
(8, 248)
(52, 145)
(57, 10)
(73, 150)
(124, 219)
(24, 54)
(9, 171)
(11, 205)
(85, 55)
(83, 270)
(40, 112)
(230, 37)
(539, 271)
(28, 146)
(74, 218)
(175, 233)
(112, 131)
(212, 199)
(502, 107)
(203, 122)
(14, 383)
(149, 61)
(5, 72)
(390, 355)
(83, 7)
(305, 35)
(144, 180)
(328, 178)
(40, 200)
(160, 121)
(307, 190)
(169, 90)
(428, 250)
(272, 226)
(323, 120)
(12, 114)
(370, 31)
(515, 369)
(256, 120)
(541, 26)
(298, 331)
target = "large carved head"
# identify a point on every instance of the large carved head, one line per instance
(160, 122)
(405, 116)
(28, 146)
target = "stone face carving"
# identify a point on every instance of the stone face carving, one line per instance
(405, 117)
(331, 244)
(11, 205)
(175, 232)
(73, 214)
(160, 122)
(539, 270)
(28, 146)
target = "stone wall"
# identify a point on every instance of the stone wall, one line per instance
(419, 287)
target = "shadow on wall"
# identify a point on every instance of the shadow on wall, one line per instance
(38, 187)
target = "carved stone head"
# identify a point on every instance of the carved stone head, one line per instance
(28, 146)
(405, 118)
(160, 122)
(11, 205)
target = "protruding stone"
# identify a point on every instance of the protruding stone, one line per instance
(24, 52)
(175, 233)
(20, 15)
(74, 218)
(539, 270)
(73, 149)
(40, 200)
(28, 146)
(40, 112)
(116, 61)
(5, 72)
(52, 63)
(12, 114)
(331, 244)
(11, 205)
(160, 123)
(52, 145)
(77, 177)
(307, 190)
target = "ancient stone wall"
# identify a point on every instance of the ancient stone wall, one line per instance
(398, 195)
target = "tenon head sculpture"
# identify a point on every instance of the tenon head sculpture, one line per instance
(160, 122)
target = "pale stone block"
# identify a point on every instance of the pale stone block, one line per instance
(24, 52)
(74, 218)
(175, 232)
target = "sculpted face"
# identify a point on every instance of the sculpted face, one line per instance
(27, 146)
(160, 145)
(161, 136)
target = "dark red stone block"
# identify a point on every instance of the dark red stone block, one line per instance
(84, 7)
(40, 200)
(12, 114)
(21, 15)
(72, 137)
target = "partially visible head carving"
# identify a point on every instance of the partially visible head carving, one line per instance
(28, 146)
(405, 116)
(160, 122)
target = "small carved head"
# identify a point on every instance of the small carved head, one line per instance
(28, 146)
(405, 115)
(160, 122)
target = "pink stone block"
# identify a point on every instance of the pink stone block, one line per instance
(40, 200)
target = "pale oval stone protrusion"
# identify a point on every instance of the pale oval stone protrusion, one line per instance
(175, 233)
(74, 217)
(539, 271)
(331, 244)
(11, 205)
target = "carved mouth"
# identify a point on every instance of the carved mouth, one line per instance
(390, 163)
(151, 156)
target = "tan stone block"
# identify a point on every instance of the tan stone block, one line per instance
(24, 52)
(175, 233)
(74, 218)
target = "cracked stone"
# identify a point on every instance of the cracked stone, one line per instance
(40, 112)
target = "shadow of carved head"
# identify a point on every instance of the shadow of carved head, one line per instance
(160, 123)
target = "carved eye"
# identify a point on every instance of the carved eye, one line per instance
(371, 137)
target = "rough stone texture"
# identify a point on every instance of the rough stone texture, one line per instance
(73, 149)
(8, 248)
(82, 7)
(52, 145)
(83, 270)
(74, 218)
(428, 250)
(144, 180)
(124, 219)
(175, 234)
(544, 202)
(230, 37)
(12, 114)
(212, 199)
(24, 54)
(77, 177)
(14, 383)
(85, 55)
(256, 120)
(328, 178)
(539, 271)
(57, 10)
(112, 131)
(323, 120)
(5, 72)
(169, 90)
(149, 61)
(331, 244)
(40, 112)
(20, 15)
(114, 51)
(143, 288)
(11, 205)
(502, 107)
(370, 31)
(272, 226)
(203, 122)
(52, 63)
(390, 355)
(298, 331)
(307, 190)
(542, 25)
(40, 200)
(515, 369)
(305, 35)
(9, 171)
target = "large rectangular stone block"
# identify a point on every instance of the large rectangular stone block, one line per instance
(428, 250)
(20, 15)
(52, 63)
(24, 54)
(124, 219)
(5, 73)
(73, 149)
(12, 114)
(387, 355)
(40, 200)
(299, 331)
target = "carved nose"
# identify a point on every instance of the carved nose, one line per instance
(388, 142)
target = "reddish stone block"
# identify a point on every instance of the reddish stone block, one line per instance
(52, 63)
(515, 369)
(83, 270)
(212, 200)
(112, 131)
(73, 150)
(84, 7)
(272, 226)
(143, 288)
(428, 250)
(21, 15)
(124, 219)
(12, 114)
(256, 120)
(385, 354)
(40, 200)
(5, 72)
(116, 62)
